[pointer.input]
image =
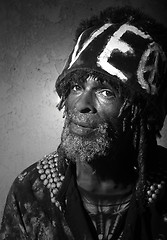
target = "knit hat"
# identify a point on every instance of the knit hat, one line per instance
(126, 53)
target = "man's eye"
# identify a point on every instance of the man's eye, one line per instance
(76, 88)
(106, 93)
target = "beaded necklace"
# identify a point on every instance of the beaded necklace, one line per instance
(52, 178)
(50, 175)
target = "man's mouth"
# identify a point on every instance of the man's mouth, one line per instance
(81, 128)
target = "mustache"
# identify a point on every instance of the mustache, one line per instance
(92, 121)
(86, 119)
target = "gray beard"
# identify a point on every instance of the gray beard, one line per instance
(88, 148)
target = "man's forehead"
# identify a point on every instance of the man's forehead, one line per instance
(96, 78)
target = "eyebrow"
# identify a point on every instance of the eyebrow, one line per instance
(81, 77)
(107, 81)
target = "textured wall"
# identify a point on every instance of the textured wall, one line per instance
(35, 39)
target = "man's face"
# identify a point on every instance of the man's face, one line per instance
(92, 126)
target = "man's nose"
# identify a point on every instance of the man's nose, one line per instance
(86, 103)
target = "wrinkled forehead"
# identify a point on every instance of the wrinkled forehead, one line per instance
(83, 76)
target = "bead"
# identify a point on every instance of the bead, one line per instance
(43, 176)
(55, 190)
(53, 185)
(154, 196)
(47, 171)
(100, 236)
(45, 182)
(165, 218)
(152, 188)
(53, 170)
(57, 204)
(45, 166)
(52, 165)
(53, 200)
(159, 186)
(157, 191)
(50, 161)
(41, 171)
(62, 178)
(58, 184)
(44, 162)
(54, 175)
(50, 180)
(150, 200)
(50, 175)
(149, 193)
(55, 179)
(162, 182)
(39, 167)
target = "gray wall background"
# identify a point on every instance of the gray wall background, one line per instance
(36, 37)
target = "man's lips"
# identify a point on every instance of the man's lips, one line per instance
(81, 128)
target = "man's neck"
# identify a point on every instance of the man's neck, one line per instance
(88, 179)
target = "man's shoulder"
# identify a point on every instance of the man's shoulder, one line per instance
(44, 176)
(32, 199)
(35, 170)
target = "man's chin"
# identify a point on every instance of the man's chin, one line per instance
(85, 147)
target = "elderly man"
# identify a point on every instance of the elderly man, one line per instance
(107, 179)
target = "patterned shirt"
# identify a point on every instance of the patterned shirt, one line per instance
(108, 213)
(44, 203)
